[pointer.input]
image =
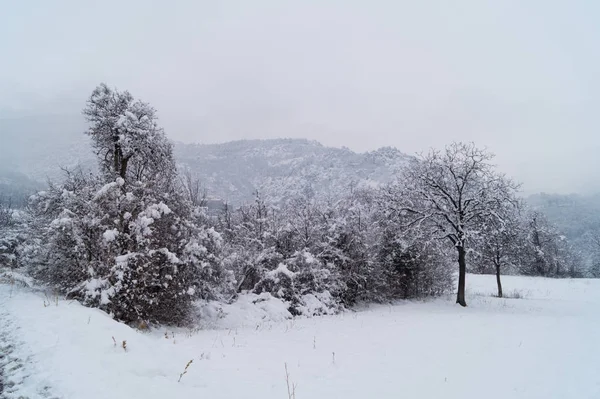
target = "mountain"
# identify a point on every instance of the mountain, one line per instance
(36, 148)
(279, 168)
(574, 215)
(16, 187)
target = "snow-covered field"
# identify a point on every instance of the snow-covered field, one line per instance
(544, 345)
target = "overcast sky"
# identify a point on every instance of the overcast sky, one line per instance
(521, 77)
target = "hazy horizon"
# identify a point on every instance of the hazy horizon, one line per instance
(518, 78)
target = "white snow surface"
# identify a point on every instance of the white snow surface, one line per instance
(543, 345)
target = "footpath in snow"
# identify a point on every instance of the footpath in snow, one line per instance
(20, 376)
(543, 345)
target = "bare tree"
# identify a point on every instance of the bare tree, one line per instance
(192, 188)
(450, 194)
(501, 240)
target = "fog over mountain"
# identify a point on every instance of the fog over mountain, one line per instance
(39, 146)
(517, 77)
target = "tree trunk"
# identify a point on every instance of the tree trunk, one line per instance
(117, 152)
(498, 280)
(123, 167)
(462, 272)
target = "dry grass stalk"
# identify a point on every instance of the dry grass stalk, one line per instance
(185, 370)
(291, 387)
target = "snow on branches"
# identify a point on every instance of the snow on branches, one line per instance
(451, 194)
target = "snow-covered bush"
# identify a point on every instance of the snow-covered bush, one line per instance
(160, 261)
(334, 253)
(348, 235)
(302, 281)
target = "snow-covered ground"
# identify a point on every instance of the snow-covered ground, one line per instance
(544, 345)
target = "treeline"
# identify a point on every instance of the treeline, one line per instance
(578, 217)
(136, 241)
(341, 251)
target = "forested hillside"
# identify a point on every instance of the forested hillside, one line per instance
(281, 168)
(578, 218)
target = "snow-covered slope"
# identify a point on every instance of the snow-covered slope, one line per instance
(278, 168)
(543, 345)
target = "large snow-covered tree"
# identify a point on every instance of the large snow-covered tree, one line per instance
(130, 240)
(451, 194)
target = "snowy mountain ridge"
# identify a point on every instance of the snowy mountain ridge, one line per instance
(233, 171)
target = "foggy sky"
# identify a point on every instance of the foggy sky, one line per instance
(520, 77)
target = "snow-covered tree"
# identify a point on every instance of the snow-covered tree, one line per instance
(412, 266)
(500, 244)
(192, 188)
(126, 137)
(126, 241)
(348, 233)
(6, 214)
(449, 194)
(548, 253)
(591, 241)
(9, 235)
